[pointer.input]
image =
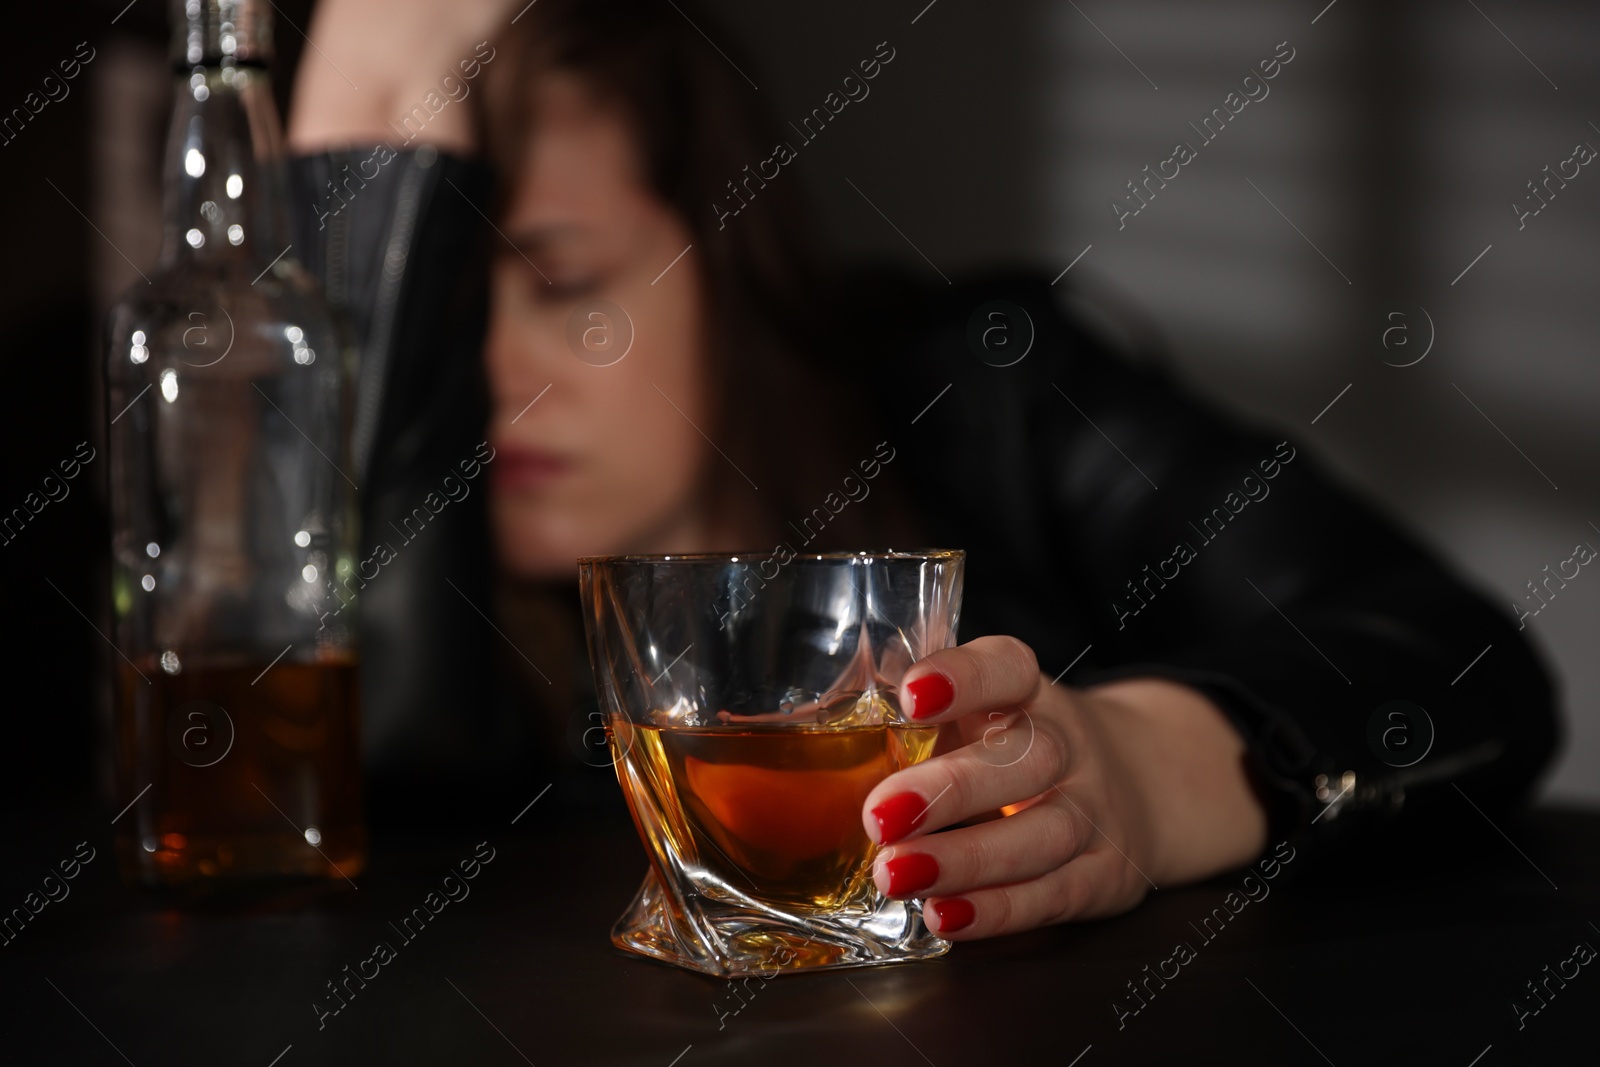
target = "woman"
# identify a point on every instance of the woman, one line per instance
(1232, 623)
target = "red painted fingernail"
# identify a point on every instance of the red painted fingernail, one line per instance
(930, 695)
(954, 914)
(911, 874)
(898, 816)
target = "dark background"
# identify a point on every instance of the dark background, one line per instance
(1396, 141)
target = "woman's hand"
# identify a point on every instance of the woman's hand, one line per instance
(370, 62)
(1112, 791)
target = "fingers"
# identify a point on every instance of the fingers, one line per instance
(986, 673)
(1020, 756)
(1096, 884)
(1014, 849)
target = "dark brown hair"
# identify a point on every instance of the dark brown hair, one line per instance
(786, 409)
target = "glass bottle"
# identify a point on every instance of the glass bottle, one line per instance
(233, 510)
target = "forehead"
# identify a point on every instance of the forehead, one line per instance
(581, 165)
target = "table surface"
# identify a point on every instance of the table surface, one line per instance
(1413, 951)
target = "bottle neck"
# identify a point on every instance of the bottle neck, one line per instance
(223, 180)
(223, 176)
(208, 31)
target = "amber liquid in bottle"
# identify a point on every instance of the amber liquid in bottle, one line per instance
(770, 810)
(248, 767)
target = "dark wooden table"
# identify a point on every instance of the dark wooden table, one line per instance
(1411, 952)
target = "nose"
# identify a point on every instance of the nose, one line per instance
(525, 357)
(599, 333)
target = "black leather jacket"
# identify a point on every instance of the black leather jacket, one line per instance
(1114, 521)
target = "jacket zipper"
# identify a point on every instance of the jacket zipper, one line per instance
(415, 185)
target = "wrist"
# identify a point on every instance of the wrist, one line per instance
(403, 72)
(1187, 764)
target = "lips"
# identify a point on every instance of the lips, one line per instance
(517, 467)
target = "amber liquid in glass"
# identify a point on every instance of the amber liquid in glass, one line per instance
(770, 810)
(254, 771)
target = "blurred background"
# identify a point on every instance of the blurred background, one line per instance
(1358, 216)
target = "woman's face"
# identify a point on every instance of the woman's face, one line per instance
(608, 459)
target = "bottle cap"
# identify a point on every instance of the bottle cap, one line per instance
(221, 32)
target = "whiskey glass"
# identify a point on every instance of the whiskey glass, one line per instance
(751, 703)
